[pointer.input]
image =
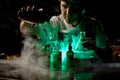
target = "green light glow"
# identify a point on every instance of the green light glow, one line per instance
(46, 36)
(58, 48)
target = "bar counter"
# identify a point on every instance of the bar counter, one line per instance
(12, 70)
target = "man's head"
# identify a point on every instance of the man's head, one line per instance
(71, 9)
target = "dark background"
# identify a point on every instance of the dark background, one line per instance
(11, 38)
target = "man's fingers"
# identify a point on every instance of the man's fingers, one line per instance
(32, 8)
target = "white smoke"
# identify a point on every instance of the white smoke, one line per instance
(34, 65)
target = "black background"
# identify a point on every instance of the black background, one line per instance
(11, 38)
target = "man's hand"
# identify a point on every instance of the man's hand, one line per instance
(36, 14)
(88, 43)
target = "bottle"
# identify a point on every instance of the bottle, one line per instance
(70, 53)
(70, 57)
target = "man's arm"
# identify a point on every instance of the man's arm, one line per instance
(103, 48)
